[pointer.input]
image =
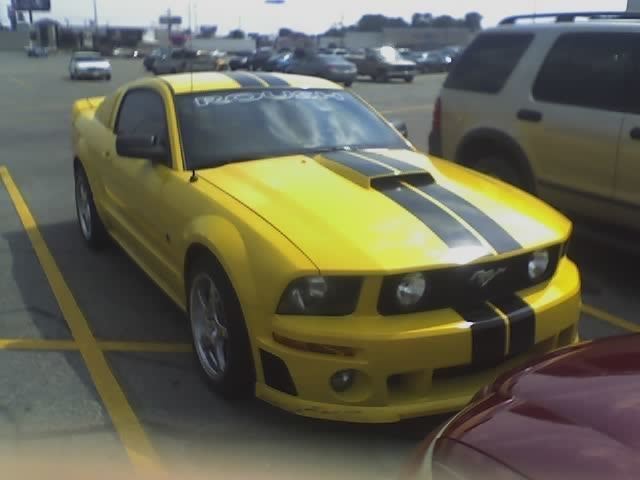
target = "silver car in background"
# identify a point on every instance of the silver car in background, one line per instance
(89, 65)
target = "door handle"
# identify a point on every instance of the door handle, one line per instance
(529, 115)
(635, 133)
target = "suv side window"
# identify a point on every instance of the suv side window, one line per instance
(588, 70)
(486, 65)
(142, 112)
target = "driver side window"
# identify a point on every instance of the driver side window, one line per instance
(142, 112)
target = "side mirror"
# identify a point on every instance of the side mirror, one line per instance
(401, 126)
(141, 146)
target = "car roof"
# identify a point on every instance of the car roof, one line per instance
(580, 26)
(211, 81)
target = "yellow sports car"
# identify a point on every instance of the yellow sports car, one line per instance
(324, 264)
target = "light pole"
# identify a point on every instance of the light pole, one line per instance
(95, 13)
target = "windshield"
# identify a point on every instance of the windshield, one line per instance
(215, 126)
(87, 57)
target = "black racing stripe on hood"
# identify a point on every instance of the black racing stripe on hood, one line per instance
(494, 234)
(488, 334)
(522, 323)
(272, 80)
(443, 224)
(246, 80)
(358, 164)
(399, 165)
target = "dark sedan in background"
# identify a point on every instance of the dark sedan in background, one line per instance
(332, 67)
(572, 414)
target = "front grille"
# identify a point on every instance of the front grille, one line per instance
(454, 287)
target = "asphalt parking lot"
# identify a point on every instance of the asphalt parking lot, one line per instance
(126, 389)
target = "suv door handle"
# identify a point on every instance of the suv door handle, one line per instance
(635, 133)
(529, 115)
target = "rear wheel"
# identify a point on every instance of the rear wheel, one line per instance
(501, 167)
(91, 226)
(220, 337)
(408, 78)
(348, 83)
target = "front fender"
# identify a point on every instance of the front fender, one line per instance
(224, 241)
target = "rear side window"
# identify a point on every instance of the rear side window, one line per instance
(485, 66)
(588, 70)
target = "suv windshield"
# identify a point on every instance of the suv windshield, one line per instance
(222, 127)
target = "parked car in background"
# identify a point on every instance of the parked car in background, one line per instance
(383, 64)
(125, 52)
(551, 108)
(433, 62)
(36, 51)
(332, 67)
(569, 415)
(89, 65)
(240, 60)
(153, 56)
(186, 60)
(259, 59)
(278, 62)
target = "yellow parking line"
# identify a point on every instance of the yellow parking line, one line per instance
(145, 347)
(135, 441)
(36, 344)
(610, 318)
(420, 108)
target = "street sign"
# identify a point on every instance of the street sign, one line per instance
(34, 5)
(170, 20)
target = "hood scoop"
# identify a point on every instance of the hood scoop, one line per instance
(372, 169)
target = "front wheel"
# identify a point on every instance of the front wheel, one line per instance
(348, 83)
(91, 226)
(408, 79)
(219, 332)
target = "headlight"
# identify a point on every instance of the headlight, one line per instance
(411, 289)
(538, 264)
(317, 295)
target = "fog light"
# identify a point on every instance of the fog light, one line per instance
(538, 264)
(343, 380)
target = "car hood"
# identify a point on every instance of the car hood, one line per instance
(573, 414)
(102, 64)
(340, 210)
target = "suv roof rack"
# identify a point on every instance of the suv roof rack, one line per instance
(568, 17)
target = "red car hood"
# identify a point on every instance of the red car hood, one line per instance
(574, 414)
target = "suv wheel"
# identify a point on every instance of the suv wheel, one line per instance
(501, 167)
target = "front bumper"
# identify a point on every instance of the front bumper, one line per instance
(408, 366)
(93, 73)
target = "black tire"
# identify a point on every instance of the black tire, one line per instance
(381, 76)
(348, 83)
(500, 166)
(108, 78)
(408, 79)
(90, 224)
(237, 381)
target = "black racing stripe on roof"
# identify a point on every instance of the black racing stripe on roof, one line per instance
(522, 323)
(443, 224)
(272, 80)
(399, 165)
(246, 80)
(488, 334)
(494, 234)
(358, 164)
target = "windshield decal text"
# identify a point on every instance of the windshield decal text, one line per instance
(249, 97)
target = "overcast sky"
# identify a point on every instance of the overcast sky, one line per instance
(303, 15)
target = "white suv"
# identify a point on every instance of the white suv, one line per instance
(552, 107)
